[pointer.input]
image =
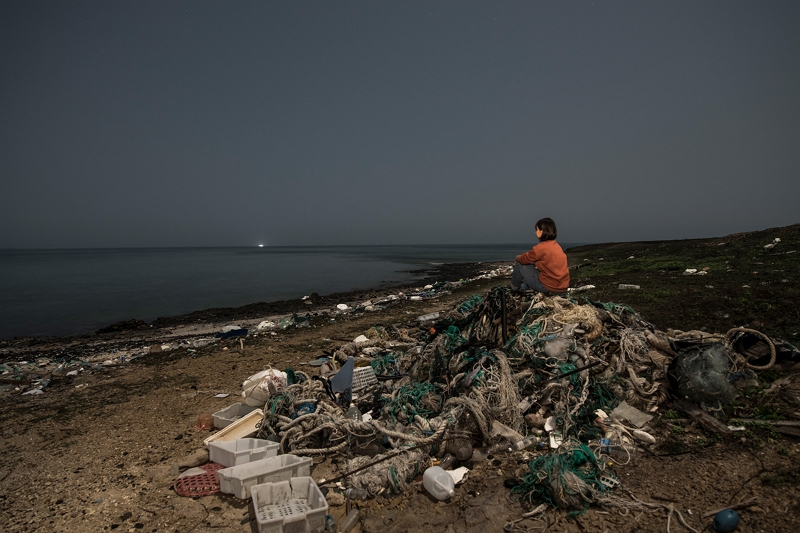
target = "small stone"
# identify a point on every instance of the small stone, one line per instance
(335, 499)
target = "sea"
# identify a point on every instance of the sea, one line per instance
(78, 291)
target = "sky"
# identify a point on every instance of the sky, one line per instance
(207, 123)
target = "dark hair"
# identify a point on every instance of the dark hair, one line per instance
(548, 228)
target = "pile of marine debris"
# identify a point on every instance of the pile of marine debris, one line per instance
(571, 383)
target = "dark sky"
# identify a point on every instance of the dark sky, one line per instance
(208, 123)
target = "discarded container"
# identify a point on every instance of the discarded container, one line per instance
(330, 523)
(295, 505)
(244, 427)
(501, 447)
(364, 376)
(618, 452)
(447, 461)
(725, 521)
(257, 389)
(241, 451)
(506, 445)
(356, 494)
(429, 316)
(628, 286)
(226, 417)
(205, 421)
(237, 480)
(350, 520)
(438, 483)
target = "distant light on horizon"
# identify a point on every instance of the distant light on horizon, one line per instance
(260, 245)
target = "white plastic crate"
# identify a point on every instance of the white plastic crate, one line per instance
(293, 506)
(244, 427)
(237, 480)
(230, 414)
(241, 451)
(363, 377)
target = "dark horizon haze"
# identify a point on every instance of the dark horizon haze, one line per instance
(172, 124)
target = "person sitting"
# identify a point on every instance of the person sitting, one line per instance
(543, 268)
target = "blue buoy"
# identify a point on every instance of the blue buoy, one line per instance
(725, 521)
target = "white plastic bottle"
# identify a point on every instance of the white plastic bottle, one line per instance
(438, 483)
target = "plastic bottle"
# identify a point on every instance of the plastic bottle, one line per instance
(527, 442)
(330, 523)
(350, 520)
(504, 445)
(356, 494)
(447, 461)
(618, 452)
(438, 483)
(353, 413)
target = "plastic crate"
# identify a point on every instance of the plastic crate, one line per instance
(230, 414)
(244, 427)
(237, 480)
(293, 506)
(363, 377)
(241, 451)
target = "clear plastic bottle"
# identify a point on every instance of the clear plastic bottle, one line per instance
(350, 520)
(330, 523)
(527, 442)
(504, 445)
(447, 461)
(438, 483)
(618, 452)
(356, 494)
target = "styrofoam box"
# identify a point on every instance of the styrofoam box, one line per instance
(293, 506)
(237, 480)
(230, 414)
(241, 451)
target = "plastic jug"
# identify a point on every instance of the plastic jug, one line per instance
(438, 483)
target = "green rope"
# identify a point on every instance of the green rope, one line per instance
(547, 470)
(408, 401)
(455, 337)
(385, 365)
(469, 304)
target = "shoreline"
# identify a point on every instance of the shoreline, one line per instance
(123, 341)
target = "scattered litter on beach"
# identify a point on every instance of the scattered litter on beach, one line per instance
(570, 384)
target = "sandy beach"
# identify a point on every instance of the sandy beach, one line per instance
(100, 450)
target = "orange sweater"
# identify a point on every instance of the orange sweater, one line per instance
(551, 262)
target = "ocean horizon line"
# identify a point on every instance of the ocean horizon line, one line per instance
(285, 246)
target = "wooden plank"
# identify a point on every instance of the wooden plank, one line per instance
(707, 421)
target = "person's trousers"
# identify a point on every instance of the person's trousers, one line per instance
(529, 275)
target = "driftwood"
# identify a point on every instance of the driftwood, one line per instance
(707, 421)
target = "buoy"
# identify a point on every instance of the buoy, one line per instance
(725, 521)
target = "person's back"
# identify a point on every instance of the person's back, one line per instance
(544, 267)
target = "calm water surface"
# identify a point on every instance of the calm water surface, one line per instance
(61, 292)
